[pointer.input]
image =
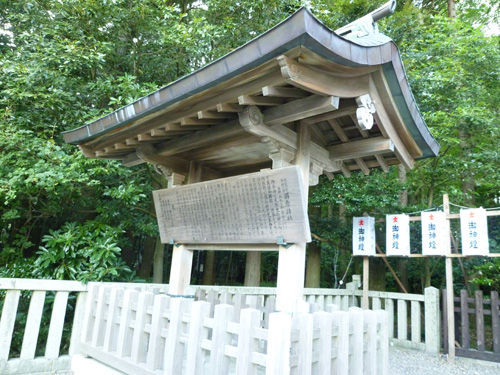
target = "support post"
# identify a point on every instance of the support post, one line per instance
(450, 319)
(366, 282)
(432, 320)
(182, 258)
(292, 260)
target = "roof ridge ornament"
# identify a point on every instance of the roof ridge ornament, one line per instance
(366, 25)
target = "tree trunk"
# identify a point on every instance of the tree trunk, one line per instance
(208, 268)
(377, 274)
(158, 262)
(313, 266)
(144, 270)
(452, 9)
(252, 268)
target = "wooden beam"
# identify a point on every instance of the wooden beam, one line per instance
(361, 148)
(229, 107)
(383, 164)
(337, 129)
(362, 165)
(200, 139)
(252, 120)
(212, 115)
(372, 164)
(259, 100)
(131, 141)
(300, 109)
(321, 82)
(188, 121)
(346, 171)
(241, 86)
(149, 153)
(341, 112)
(283, 92)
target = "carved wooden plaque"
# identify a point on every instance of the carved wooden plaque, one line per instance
(253, 208)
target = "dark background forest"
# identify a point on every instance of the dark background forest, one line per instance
(64, 63)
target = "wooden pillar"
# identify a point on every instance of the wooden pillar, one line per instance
(450, 305)
(291, 260)
(182, 258)
(252, 268)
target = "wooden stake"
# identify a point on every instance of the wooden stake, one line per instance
(449, 291)
(366, 282)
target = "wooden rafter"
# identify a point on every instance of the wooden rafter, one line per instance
(361, 148)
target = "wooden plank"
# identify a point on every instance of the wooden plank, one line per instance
(154, 358)
(111, 332)
(78, 322)
(259, 100)
(323, 322)
(279, 344)
(383, 343)
(56, 325)
(475, 354)
(283, 92)
(100, 316)
(370, 358)
(300, 109)
(356, 343)
(361, 148)
(32, 325)
(444, 325)
(219, 362)
(321, 82)
(249, 321)
(464, 313)
(233, 247)
(479, 320)
(366, 282)
(38, 284)
(7, 322)
(140, 337)
(197, 332)
(241, 209)
(124, 341)
(495, 324)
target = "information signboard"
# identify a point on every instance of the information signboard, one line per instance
(262, 207)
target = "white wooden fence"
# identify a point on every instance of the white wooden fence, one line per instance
(106, 338)
(414, 320)
(152, 334)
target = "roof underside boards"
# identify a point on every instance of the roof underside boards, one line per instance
(297, 71)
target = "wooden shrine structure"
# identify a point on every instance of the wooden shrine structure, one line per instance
(300, 94)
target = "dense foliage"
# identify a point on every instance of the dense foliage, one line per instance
(63, 63)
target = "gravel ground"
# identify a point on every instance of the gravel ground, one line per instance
(412, 362)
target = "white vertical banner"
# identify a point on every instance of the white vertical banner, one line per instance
(474, 229)
(363, 235)
(435, 233)
(397, 235)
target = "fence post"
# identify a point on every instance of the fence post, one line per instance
(357, 325)
(432, 320)
(279, 344)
